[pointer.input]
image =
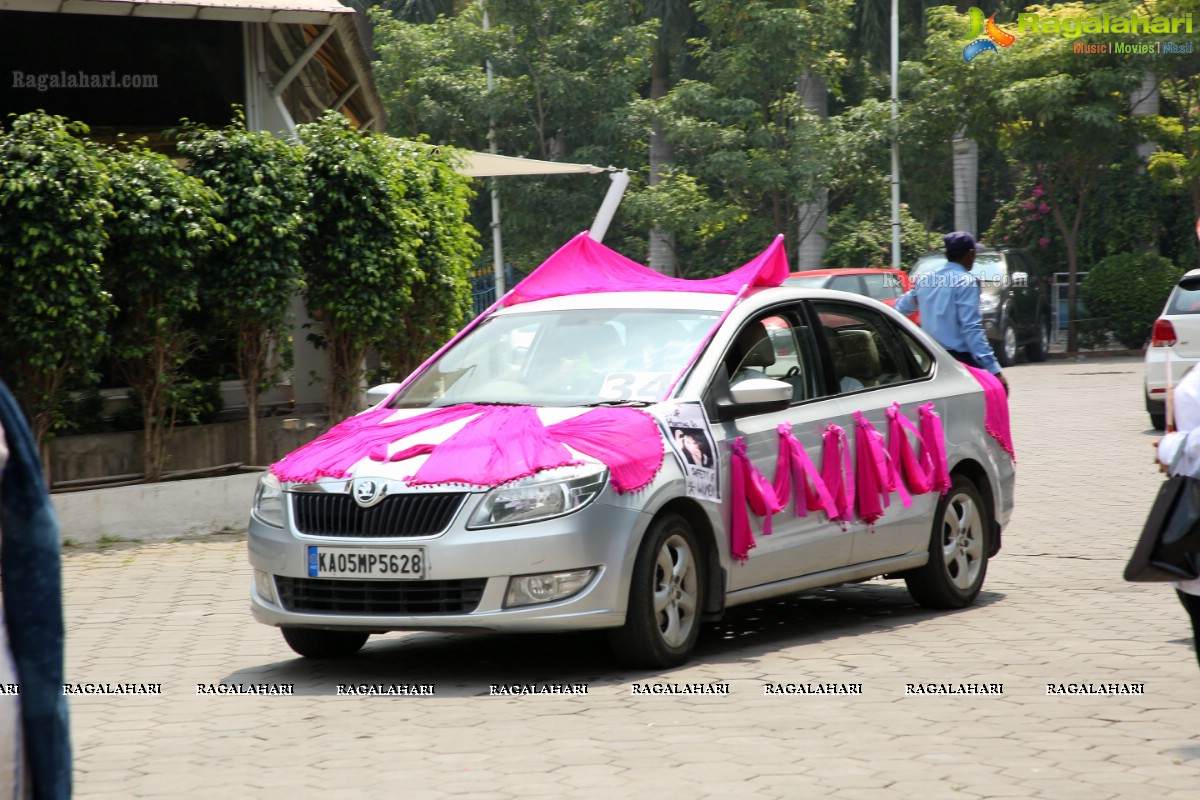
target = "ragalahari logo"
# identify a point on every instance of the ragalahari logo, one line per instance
(979, 43)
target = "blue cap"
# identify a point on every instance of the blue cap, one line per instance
(959, 242)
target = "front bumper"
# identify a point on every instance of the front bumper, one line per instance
(479, 562)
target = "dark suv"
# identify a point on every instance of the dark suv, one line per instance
(1014, 300)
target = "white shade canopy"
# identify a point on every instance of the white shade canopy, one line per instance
(486, 165)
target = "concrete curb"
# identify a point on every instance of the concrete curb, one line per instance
(157, 510)
(1097, 354)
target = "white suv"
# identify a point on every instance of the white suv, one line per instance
(1176, 335)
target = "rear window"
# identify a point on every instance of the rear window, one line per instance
(1184, 301)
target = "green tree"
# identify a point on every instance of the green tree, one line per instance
(1177, 163)
(741, 136)
(248, 286)
(1128, 292)
(440, 291)
(164, 224)
(1064, 118)
(565, 73)
(54, 307)
(358, 266)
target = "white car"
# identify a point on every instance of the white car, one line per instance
(1176, 337)
(370, 549)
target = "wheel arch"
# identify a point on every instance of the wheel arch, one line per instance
(714, 573)
(973, 471)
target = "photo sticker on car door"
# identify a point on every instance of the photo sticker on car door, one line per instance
(692, 442)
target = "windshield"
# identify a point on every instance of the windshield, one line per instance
(563, 358)
(989, 267)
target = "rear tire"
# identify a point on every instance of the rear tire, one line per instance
(958, 550)
(1037, 349)
(1006, 348)
(315, 643)
(1158, 421)
(666, 598)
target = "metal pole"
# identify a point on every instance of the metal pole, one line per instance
(895, 135)
(608, 208)
(497, 238)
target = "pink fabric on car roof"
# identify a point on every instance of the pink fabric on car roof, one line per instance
(584, 266)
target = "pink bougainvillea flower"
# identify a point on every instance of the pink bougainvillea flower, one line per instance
(1043, 242)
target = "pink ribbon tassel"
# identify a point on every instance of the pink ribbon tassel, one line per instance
(909, 473)
(796, 476)
(872, 475)
(836, 471)
(933, 447)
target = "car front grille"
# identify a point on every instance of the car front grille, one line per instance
(339, 515)
(379, 598)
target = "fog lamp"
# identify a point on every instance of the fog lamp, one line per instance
(264, 586)
(525, 590)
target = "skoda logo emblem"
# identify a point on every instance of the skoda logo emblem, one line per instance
(367, 492)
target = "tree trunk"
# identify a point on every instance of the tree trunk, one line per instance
(251, 355)
(345, 375)
(662, 156)
(966, 183)
(813, 217)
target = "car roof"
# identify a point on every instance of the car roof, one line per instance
(695, 301)
(842, 271)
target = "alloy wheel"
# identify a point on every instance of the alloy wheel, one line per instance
(675, 592)
(962, 541)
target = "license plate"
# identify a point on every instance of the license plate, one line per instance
(392, 563)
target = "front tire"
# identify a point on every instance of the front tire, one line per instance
(666, 598)
(958, 550)
(315, 643)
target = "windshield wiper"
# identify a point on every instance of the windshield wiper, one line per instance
(618, 404)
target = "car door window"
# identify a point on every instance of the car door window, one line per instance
(865, 348)
(845, 283)
(775, 345)
(882, 286)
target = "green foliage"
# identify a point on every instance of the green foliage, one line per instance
(164, 224)
(249, 285)
(565, 73)
(857, 240)
(360, 261)
(1129, 291)
(52, 211)
(441, 293)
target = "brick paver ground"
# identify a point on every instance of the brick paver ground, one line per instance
(1054, 610)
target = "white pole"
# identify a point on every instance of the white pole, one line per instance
(497, 238)
(612, 199)
(895, 135)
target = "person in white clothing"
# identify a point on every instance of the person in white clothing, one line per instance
(1180, 452)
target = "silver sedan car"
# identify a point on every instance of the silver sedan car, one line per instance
(371, 551)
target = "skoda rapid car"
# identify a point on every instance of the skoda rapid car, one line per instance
(336, 559)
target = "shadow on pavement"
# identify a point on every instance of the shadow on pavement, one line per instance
(468, 664)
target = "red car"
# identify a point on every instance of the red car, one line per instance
(884, 285)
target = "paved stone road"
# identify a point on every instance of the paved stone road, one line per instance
(1054, 610)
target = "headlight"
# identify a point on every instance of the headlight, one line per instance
(551, 493)
(989, 303)
(268, 500)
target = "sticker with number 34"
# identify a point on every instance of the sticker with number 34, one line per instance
(649, 386)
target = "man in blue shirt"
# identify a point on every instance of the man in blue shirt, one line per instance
(948, 298)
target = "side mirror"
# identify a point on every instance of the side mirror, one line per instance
(1020, 279)
(377, 394)
(755, 396)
